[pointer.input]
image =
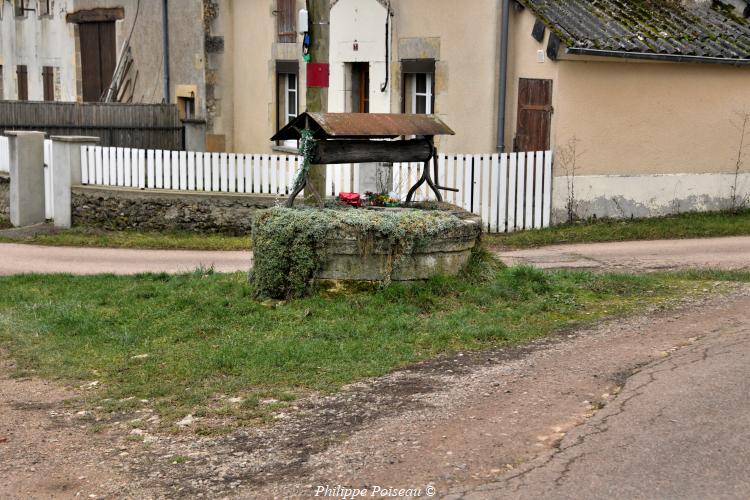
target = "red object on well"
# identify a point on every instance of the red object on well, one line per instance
(317, 75)
(353, 199)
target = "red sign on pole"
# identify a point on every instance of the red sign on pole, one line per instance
(317, 75)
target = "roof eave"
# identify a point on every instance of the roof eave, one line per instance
(647, 56)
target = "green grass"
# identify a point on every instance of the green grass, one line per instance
(691, 225)
(189, 342)
(4, 222)
(172, 240)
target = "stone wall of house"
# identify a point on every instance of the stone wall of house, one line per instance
(4, 197)
(123, 208)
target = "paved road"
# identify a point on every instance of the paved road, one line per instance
(679, 429)
(718, 253)
(19, 259)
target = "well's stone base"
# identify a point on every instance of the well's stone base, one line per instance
(348, 258)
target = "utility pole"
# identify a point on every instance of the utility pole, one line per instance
(317, 95)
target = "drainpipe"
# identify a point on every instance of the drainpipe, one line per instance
(165, 43)
(503, 77)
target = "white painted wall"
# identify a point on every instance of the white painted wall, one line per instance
(363, 21)
(36, 42)
(624, 196)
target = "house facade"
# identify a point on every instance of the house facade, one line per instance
(650, 102)
(78, 50)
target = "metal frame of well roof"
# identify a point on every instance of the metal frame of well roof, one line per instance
(647, 30)
(363, 126)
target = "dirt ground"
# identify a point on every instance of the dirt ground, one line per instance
(451, 424)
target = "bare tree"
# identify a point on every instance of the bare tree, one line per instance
(567, 159)
(737, 200)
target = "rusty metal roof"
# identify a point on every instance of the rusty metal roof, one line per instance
(363, 126)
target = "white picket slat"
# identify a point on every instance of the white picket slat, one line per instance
(547, 209)
(183, 169)
(538, 180)
(529, 197)
(142, 168)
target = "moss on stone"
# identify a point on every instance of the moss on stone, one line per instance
(290, 243)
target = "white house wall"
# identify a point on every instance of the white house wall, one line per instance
(625, 196)
(363, 21)
(37, 43)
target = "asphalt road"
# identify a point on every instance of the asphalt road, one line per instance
(19, 259)
(718, 253)
(680, 429)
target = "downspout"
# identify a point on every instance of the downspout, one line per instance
(165, 44)
(384, 87)
(503, 76)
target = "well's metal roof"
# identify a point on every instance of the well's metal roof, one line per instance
(362, 126)
(669, 29)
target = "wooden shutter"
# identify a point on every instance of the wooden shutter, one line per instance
(286, 20)
(98, 58)
(23, 83)
(534, 115)
(48, 83)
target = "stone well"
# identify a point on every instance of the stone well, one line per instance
(348, 258)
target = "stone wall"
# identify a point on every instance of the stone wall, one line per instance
(4, 197)
(158, 210)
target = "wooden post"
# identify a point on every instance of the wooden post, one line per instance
(317, 97)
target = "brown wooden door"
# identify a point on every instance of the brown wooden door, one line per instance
(361, 87)
(534, 115)
(98, 58)
(48, 83)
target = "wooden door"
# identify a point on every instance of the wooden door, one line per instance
(534, 115)
(98, 58)
(361, 87)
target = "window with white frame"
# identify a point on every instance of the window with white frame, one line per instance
(290, 97)
(419, 86)
(422, 94)
(287, 109)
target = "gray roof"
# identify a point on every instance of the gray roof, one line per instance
(669, 29)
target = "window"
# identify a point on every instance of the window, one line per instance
(186, 107)
(419, 86)
(21, 6)
(422, 94)
(48, 83)
(22, 83)
(286, 22)
(45, 7)
(287, 76)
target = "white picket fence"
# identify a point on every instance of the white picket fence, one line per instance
(509, 191)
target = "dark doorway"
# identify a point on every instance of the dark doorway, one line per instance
(534, 115)
(98, 58)
(361, 87)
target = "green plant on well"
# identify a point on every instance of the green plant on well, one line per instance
(291, 242)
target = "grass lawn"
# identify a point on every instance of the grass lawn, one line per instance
(692, 225)
(174, 240)
(190, 342)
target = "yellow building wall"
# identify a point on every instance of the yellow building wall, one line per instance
(636, 118)
(255, 52)
(466, 69)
